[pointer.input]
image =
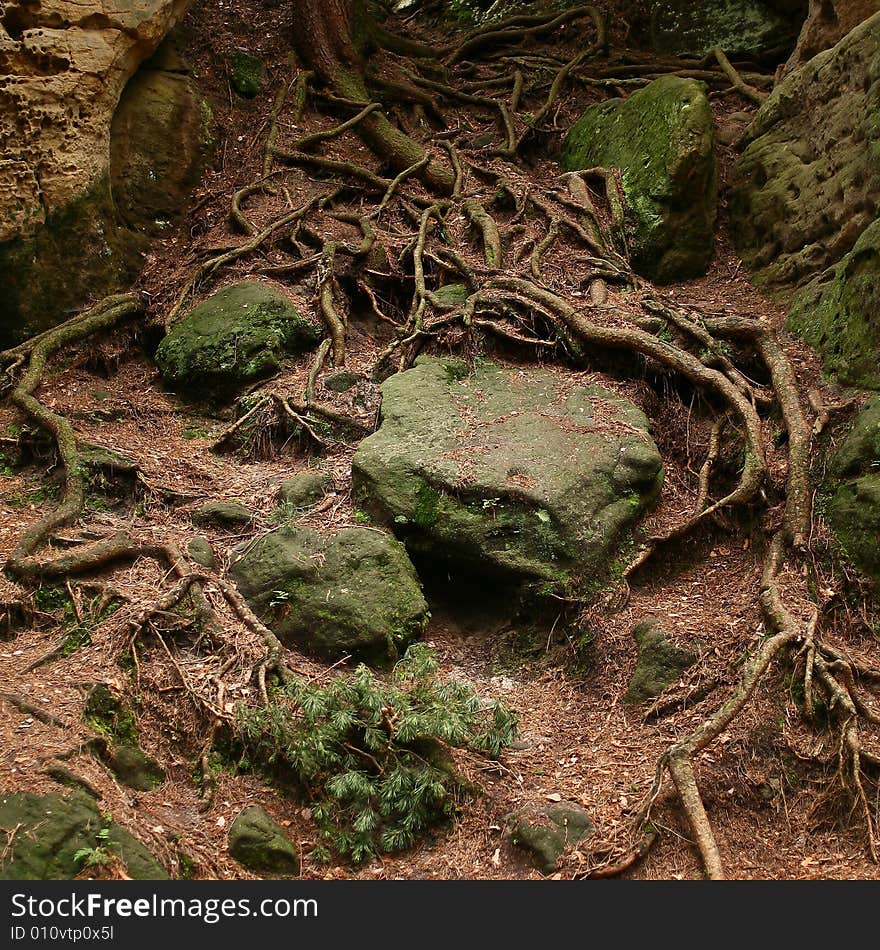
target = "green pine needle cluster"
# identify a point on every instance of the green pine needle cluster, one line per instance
(368, 753)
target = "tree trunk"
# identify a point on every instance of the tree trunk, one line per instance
(330, 36)
(323, 36)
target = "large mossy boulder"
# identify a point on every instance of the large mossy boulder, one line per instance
(260, 844)
(662, 140)
(238, 335)
(854, 509)
(807, 183)
(43, 834)
(353, 592)
(507, 471)
(839, 314)
(744, 29)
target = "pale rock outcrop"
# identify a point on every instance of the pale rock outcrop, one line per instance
(64, 66)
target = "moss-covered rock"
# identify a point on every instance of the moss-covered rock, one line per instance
(304, 489)
(200, 550)
(744, 29)
(261, 845)
(854, 510)
(859, 452)
(839, 314)
(507, 471)
(354, 592)
(114, 722)
(544, 833)
(342, 381)
(661, 661)
(229, 515)
(662, 140)
(160, 141)
(236, 336)
(855, 517)
(246, 74)
(87, 184)
(45, 832)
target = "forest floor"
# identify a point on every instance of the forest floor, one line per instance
(764, 781)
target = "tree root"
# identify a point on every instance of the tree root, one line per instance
(21, 562)
(744, 89)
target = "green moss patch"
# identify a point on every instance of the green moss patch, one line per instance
(355, 592)
(238, 335)
(662, 140)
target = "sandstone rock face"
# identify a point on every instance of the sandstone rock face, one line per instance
(63, 67)
(839, 314)
(827, 23)
(662, 140)
(808, 181)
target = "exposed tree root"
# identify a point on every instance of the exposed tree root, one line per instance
(21, 562)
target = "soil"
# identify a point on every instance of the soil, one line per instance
(768, 782)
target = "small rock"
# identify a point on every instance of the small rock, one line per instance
(662, 140)
(246, 74)
(238, 335)
(50, 830)
(303, 490)
(260, 844)
(661, 661)
(342, 382)
(545, 832)
(222, 514)
(200, 550)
